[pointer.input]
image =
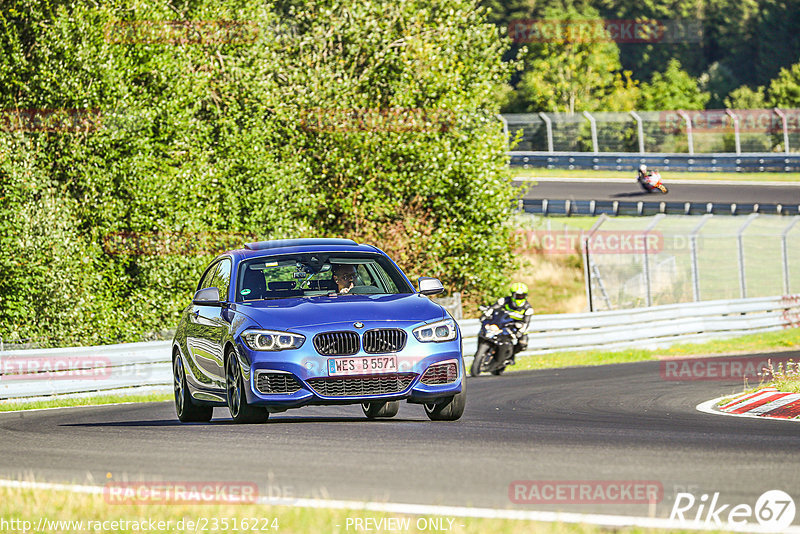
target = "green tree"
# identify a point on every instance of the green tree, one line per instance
(572, 70)
(745, 98)
(784, 91)
(208, 132)
(672, 89)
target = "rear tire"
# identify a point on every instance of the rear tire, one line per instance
(241, 411)
(479, 362)
(185, 408)
(375, 410)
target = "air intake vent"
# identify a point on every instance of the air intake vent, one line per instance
(384, 340)
(439, 374)
(336, 343)
(361, 386)
(276, 383)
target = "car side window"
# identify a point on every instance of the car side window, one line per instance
(205, 281)
(221, 278)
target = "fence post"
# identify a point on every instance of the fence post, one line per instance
(549, 128)
(505, 127)
(742, 281)
(785, 254)
(782, 115)
(639, 130)
(733, 116)
(587, 272)
(648, 296)
(693, 250)
(688, 120)
(593, 126)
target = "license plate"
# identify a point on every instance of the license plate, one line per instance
(362, 365)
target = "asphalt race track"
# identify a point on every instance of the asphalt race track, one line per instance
(611, 423)
(597, 189)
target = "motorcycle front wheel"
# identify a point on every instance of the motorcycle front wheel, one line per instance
(482, 360)
(663, 189)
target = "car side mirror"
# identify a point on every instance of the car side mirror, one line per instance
(207, 297)
(430, 286)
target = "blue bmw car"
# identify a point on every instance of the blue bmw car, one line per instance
(290, 323)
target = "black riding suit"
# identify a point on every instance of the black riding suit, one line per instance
(522, 316)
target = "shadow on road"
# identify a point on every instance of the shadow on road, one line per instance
(222, 422)
(628, 195)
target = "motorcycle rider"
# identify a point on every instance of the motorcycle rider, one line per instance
(643, 174)
(516, 306)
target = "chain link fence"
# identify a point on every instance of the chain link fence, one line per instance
(693, 132)
(649, 261)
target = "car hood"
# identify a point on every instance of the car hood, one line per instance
(313, 311)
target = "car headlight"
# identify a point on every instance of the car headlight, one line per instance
(435, 332)
(272, 340)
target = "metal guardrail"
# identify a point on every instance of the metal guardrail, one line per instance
(548, 206)
(653, 327)
(627, 161)
(42, 372)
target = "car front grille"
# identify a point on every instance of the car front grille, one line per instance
(440, 374)
(273, 383)
(336, 343)
(384, 340)
(361, 386)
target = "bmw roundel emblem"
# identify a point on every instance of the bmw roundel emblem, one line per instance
(358, 325)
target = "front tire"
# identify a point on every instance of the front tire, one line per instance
(451, 408)
(241, 411)
(663, 188)
(187, 411)
(375, 410)
(482, 359)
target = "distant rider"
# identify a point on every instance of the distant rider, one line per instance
(516, 306)
(643, 174)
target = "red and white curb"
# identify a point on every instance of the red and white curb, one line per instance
(766, 403)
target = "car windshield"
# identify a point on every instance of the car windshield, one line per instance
(318, 274)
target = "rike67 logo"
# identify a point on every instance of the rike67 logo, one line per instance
(774, 510)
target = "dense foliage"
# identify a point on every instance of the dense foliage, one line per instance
(742, 45)
(139, 137)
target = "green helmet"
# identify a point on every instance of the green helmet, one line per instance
(519, 294)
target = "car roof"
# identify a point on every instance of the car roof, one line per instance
(293, 246)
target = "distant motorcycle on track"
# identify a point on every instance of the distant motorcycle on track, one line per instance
(650, 180)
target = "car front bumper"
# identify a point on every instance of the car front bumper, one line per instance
(293, 378)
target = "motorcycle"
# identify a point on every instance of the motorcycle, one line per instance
(496, 339)
(651, 182)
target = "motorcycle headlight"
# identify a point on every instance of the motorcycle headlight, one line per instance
(492, 330)
(436, 332)
(272, 340)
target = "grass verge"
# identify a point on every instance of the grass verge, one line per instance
(768, 341)
(13, 406)
(91, 513)
(666, 175)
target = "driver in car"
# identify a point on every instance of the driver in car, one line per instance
(344, 276)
